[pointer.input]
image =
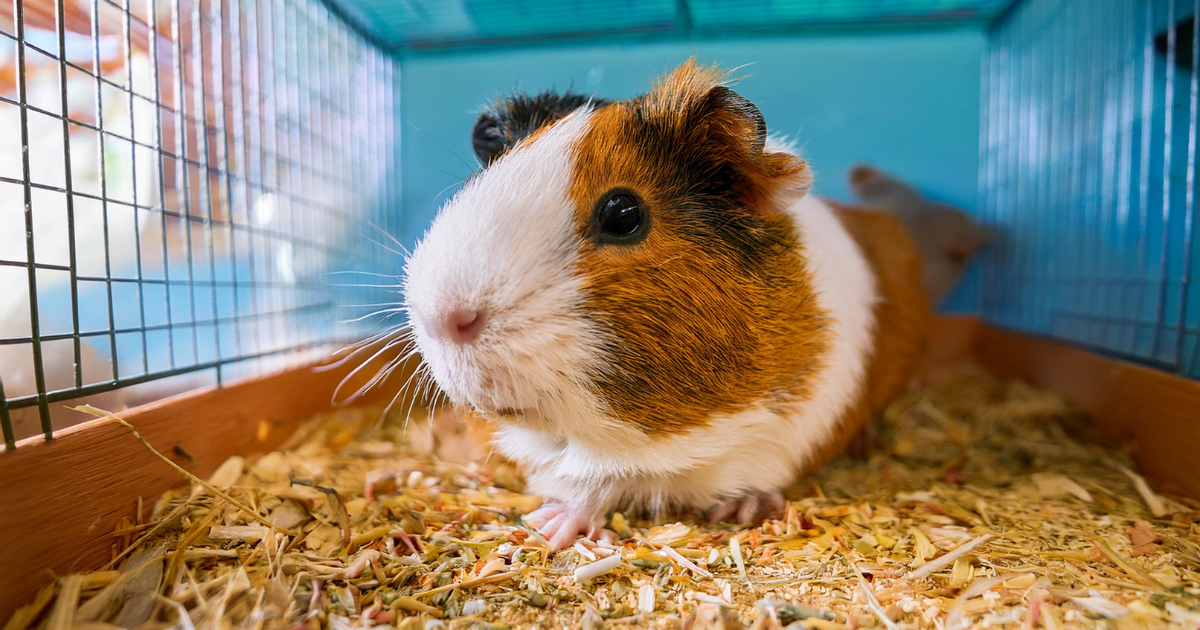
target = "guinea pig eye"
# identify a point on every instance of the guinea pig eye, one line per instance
(620, 218)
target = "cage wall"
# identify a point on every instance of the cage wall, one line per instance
(1088, 170)
(178, 180)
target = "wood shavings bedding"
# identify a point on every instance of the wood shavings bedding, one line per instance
(976, 509)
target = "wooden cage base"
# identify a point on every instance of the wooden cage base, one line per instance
(60, 500)
(1156, 411)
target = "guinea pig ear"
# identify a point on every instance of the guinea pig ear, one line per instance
(872, 185)
(777, 178)
(487, 137)
(513, 118)
(734, 119)
(709, 116)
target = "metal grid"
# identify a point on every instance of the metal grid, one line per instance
(432, 24)
(720, 13)
(1089, 170)
(178, 178)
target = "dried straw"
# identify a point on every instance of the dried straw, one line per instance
(976, 509)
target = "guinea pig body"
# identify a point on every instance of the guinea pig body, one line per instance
(642, 305)
(946, 237)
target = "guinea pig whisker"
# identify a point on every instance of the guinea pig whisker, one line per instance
(434, 405)
(361, 273)
(388, 346)
(413, 401)
(398, 361)
(400, 332)
(387, 313)
(362, 390)
(400, 392)
(370, 305)
(422, 389)
(355, 348)
(367, 286)
(380, 377)
(416, 374)
(391, 238)
(439, 394)
(373, 313)
(396, 366)
(452, 185)
(396, 252)
(386, 410)
(428, 390)
(447, 148)
(436, 393)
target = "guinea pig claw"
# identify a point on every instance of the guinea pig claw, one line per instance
(541, 516)
(561, 524)
(723, 511)
(748, 508)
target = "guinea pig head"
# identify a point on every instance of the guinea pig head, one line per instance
(623, 266)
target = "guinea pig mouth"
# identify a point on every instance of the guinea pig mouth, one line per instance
(497, 399)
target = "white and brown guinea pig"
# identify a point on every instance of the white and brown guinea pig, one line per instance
(946, 237)
(642, 306)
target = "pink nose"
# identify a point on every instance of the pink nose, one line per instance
(463, 325)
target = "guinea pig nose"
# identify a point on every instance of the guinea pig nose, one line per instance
(463, 325)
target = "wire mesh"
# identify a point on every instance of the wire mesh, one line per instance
(426, 24)
(718, 13)
(178, 178)
(1089, 169)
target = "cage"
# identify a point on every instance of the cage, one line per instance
(201, 200)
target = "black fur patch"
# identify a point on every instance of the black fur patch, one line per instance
(510, 119)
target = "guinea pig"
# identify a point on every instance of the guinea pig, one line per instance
(946, 237)
(642, 305)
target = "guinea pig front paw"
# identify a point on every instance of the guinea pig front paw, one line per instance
(748, 508)
(561, 523)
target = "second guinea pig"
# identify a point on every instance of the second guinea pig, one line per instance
(644, 306)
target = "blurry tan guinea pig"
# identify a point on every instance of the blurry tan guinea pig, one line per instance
(643, 306)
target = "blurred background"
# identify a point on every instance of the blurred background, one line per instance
(206, 178)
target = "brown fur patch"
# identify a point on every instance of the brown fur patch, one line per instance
(903, 317)
(714, 310)
(694, 104)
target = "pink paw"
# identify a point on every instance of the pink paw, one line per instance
(748, 508)
(562, 523)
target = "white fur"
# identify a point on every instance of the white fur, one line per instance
(780, 144)
(506, 243)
